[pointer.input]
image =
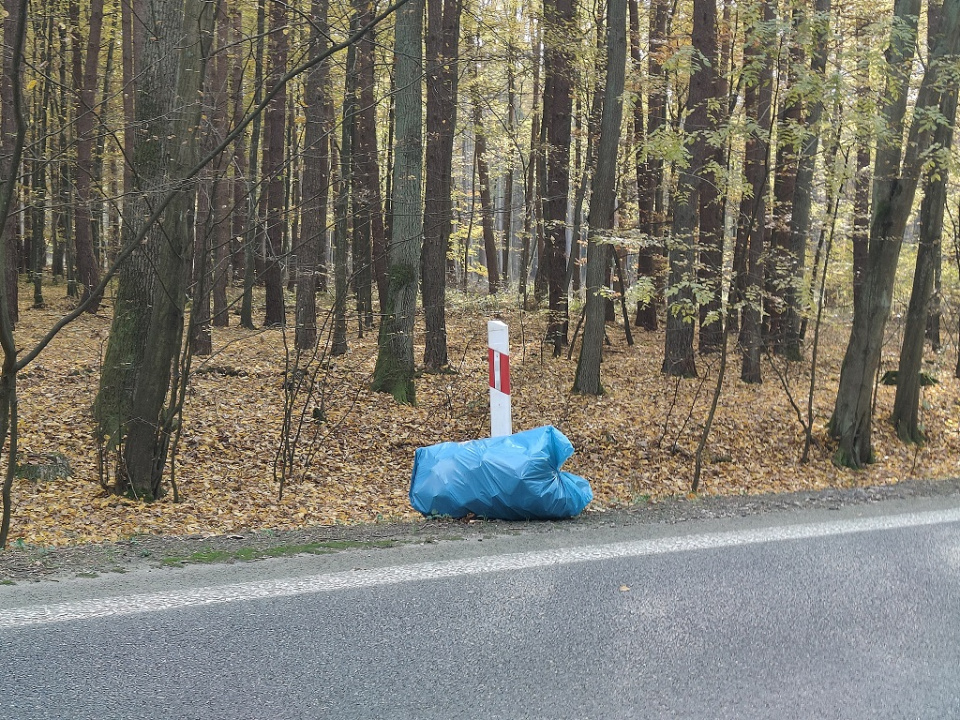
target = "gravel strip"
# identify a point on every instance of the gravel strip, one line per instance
(25, 564)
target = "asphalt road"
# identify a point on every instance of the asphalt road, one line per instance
(846, 614)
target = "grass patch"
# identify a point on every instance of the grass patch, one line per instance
(88, 574)
(7, 582)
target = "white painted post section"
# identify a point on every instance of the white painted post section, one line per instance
(498, 354)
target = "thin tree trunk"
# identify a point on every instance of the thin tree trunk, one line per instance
(559, 18)
(366, 174)
(530, 223)
(342, 207)
(712, 201)
(252, 229)
(201, 339)
(752, 228)
(85, 75)
(274, 167)
(441, 60)
(316, 179)
(483, 178)
(650, 167)
(506, 218)
(222, 198)
(781, 261)
(803, 192)
(603, 201)
(678, 357)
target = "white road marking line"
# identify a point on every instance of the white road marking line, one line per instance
(356, 579)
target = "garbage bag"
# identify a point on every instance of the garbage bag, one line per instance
(511, 477)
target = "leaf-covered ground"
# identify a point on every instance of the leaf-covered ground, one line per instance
(635, 444)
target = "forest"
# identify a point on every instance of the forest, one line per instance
(249, 249)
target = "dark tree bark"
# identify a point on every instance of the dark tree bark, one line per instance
(603, 201)
(506, 216)
(201, 338)
(316, 179)
(361, 252)
(781, 261)
(483, 179)
(530, 199)
(394, 370)
(860, 235)
(39, 162)
(274, 167)
(895, 181)
(751, 232)
(13, 129)
(130, 48)
(222, 190)
(85, 75)
(803, 192)
(370, 263)
(586, 167)
(649, 166)
(147, 328)
(212, 226)
(240, 217)
(63, 224)
(342, 207)
(712, 205)
(559, 17)
(906, 405)
(441, 60)
(678, 345)
(252, 229)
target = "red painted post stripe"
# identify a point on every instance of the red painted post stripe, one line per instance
(493, 358)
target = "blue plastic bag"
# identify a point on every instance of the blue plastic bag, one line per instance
(512, 477)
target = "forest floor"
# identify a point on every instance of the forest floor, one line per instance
(636, 444)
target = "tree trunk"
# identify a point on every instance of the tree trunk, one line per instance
(274, 167)
(362, 278)
(678, 345)
(394, 370)
(603, 201)
(483, 178)
(12, 139)
(85, 75)
(752, 230)
(895, 181)
(803, 192)
(222, 197)
(147, 327)
(530, 201)
(342, 207)
(200, 337)
(316, 178)
(781, 262)
(366, 175)
(650, 167)
(38, 177)
(240, 220)
(9, 168)
(712, 201)
(506, 217)
(559, 19)
(442, 53)
(906, 406)
(252, 227)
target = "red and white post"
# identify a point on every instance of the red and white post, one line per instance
(498, 353)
